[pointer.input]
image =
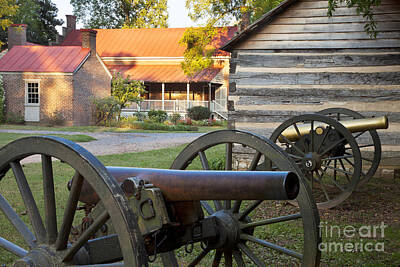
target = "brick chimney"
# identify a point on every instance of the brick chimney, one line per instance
(89, 40)
(16, 35)
(71, 23)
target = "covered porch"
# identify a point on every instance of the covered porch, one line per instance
(176, 97)
(169, 89)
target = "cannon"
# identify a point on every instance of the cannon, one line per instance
(337, 149)
(191, 215)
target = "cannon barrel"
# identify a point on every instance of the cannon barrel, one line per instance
(356, 125)
(179, 185)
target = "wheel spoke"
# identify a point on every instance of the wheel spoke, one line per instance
(292, 144)
(297, 129)
(334, 172)
(358, 135)
(337, 169)
(344, 168)
(369, 160)
(11, 247)
(369, 145)
(338, 157)
(217, 258)
(207, 207)
(228, 258)
(271, 221)
(238, 258)
(218, 205)
(250, 209)
(334, 181)
(96, 225)
(323, 139)
(228, 204)
(199, 258)
(322, 186)
(29, 201)
(333, 146)
(16, 221)
(69, 212)
(254, 161)
(312, 136)
(49, 199)
(204, 161)
(228, 159)
(236, 206)
(251, 255)
(271, 246)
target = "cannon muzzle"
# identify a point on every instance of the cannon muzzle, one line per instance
(356, 125)
(179, 185)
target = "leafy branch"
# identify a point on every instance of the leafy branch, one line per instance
(363, 7)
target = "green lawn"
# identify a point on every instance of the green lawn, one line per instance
(96, 129)
(6, 138)
(378, 202)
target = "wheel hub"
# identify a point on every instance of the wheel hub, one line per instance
(228, 229)
(311, 161)
(37, 257)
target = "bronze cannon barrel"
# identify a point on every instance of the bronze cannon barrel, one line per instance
(356, 125)
(179, 185)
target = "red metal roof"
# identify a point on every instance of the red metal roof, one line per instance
(43, 58)
(153, 42)
(163, 73)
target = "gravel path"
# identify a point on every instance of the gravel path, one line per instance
(117, 143)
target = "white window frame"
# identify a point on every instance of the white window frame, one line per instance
(27, 81)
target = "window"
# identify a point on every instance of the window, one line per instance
(32, 94)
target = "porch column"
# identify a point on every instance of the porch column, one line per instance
(162, 95)
(187, 95)
(209, 96)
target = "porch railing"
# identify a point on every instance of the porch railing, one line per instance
(179, 106)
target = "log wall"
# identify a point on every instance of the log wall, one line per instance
(302, 62)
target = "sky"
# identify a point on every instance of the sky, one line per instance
(178, 15)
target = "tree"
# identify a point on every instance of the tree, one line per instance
(8, 8)
(222, 12)
(125, 90)
(198, 41)
(41, 18)
(111, 14)
(42, 29)
(198, 53)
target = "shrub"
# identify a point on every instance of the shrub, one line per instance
(217, 163)
(126, 122)
(160, 126)
(158, 116)
(15, 118)
(141, 116)
(175, 118)
(56, 118)
(105, 110)
(199, 113)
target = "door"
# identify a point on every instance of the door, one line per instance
(32, 101)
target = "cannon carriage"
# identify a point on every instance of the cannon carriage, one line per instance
(337, 149)
(119, 216)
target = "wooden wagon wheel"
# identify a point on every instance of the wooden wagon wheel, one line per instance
(253, 219)
(48, 243)
(368, 142)
(326, 152)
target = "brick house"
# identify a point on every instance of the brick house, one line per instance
(154, 57)
(40, 81)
